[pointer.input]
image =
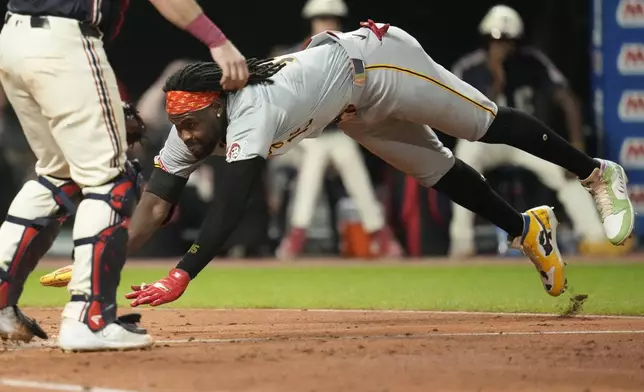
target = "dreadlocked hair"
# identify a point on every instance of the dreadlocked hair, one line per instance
(205, 76)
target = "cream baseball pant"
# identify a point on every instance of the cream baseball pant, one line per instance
(343, 152)
(66, 96)
(577, 202)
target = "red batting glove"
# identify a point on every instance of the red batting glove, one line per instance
(161, 292)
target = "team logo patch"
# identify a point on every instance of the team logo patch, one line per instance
(235, 151)
(159, 163)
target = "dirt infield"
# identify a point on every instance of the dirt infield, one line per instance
(272, 350)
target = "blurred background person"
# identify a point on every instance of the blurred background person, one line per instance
(371, 236)
(515, 74)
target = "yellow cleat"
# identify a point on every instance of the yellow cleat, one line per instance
(58, 278)
(539, 243)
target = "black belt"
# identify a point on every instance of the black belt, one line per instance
(42, 22)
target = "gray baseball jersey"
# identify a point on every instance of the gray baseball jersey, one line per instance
(267, 120)
(399, 93)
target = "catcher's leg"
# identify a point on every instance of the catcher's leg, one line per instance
(100, 246)
(89, 126)
(62, 276)
(32, 225)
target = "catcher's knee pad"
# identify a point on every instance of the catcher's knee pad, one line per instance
(35, 238)
(109, 251)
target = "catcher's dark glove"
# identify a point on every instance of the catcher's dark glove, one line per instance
(133, 171)
(134, 124)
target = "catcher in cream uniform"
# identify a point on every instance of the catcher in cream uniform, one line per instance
(59, 80)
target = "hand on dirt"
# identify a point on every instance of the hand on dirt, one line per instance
(166, 290)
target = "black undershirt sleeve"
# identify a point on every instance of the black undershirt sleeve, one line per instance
(225, 212)
(165, 185)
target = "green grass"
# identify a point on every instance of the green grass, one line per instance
(612, 289)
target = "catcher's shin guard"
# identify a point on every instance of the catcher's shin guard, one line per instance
(32, 225)
(99, 258)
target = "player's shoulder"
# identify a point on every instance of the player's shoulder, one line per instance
(245, 102)
(469, 61)
(254, 106)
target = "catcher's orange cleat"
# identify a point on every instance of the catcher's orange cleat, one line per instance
(58, 278)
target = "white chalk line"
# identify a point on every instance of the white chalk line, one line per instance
(51, 386)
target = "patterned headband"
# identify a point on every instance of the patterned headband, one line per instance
(181, 102)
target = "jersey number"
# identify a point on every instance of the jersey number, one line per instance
(523, 99)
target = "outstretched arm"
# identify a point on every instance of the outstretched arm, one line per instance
(225, 212)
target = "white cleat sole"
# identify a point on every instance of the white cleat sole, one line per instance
(75, 336)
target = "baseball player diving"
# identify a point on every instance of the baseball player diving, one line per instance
(384, 91)
(58, 79)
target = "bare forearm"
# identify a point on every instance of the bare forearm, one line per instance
(179, 12)
(148, 216)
